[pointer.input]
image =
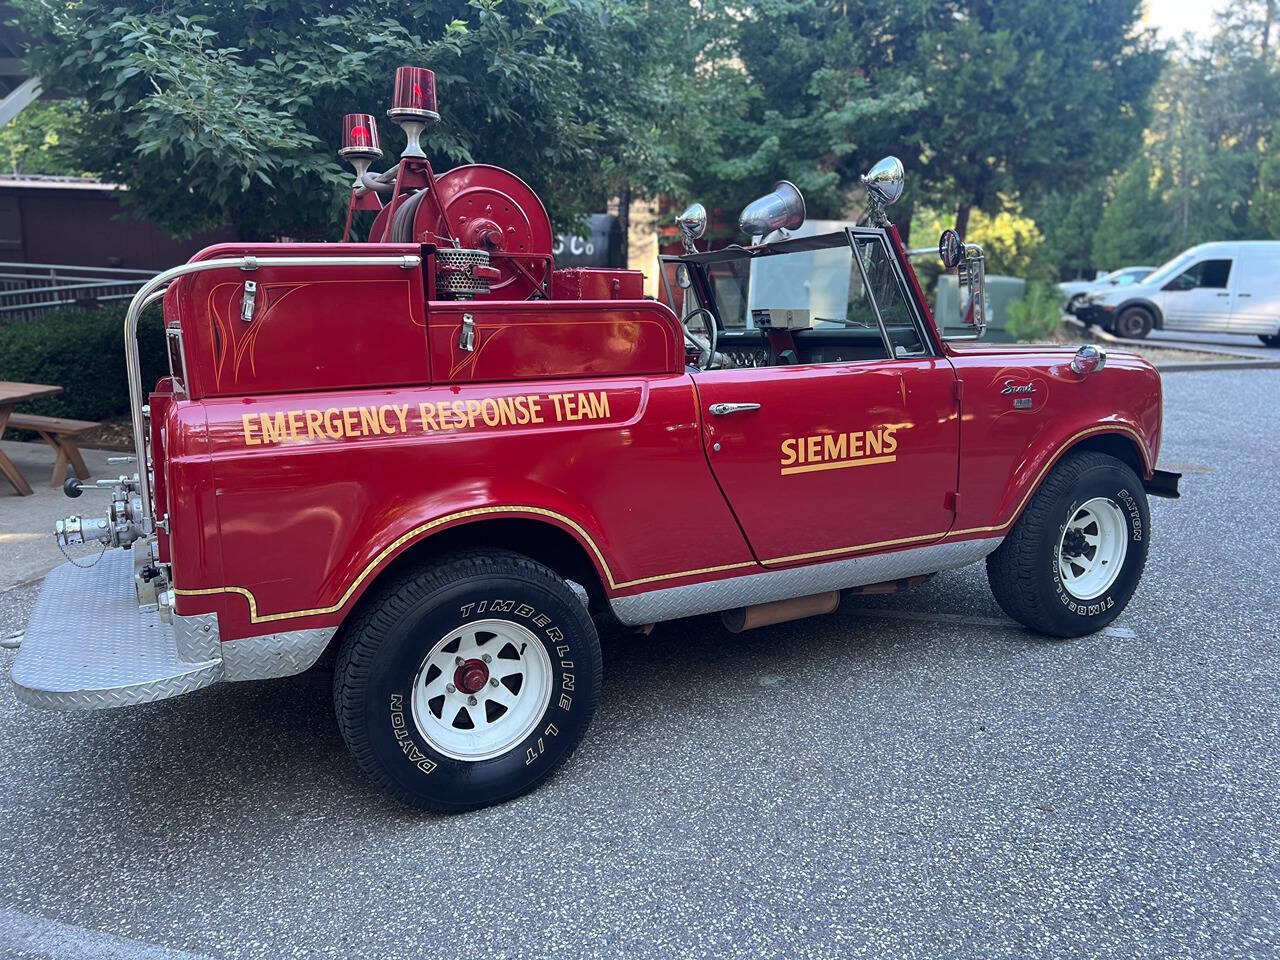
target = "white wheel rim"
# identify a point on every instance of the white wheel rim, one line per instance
(469, 721)
(1092, 548)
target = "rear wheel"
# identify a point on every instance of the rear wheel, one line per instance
(1073, 560)
(1270, 339)
(1133, 324)
(467, 682)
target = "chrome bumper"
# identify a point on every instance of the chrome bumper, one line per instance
(89, 646)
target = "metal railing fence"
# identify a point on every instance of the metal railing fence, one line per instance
(28, 289)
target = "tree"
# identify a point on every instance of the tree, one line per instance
(981, 99)
(228, 112)
(1206, 172)
(1032, 96)
(1133, 229)
(41, 139)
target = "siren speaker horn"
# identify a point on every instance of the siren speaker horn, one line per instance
(782, 209)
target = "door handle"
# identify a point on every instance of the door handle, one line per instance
(721, 409)
(1224, 294)
(1244, 294)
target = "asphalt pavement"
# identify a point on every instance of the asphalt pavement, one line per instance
(913, 776)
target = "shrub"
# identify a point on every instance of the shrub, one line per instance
(81, 351)
(1037, 315)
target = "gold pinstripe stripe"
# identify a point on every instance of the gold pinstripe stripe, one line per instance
(421, 529)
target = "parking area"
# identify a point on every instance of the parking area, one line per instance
(913, 776)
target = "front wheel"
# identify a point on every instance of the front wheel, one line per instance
(1133, 324)
(467, 682)
(1073, 560)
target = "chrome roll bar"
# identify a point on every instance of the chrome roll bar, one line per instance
(154, 289)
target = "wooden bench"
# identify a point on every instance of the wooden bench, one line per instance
(60, 434)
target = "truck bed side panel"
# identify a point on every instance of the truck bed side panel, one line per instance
(318, 492)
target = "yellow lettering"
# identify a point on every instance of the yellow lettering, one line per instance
(315, 424)
(249, 439)
(349, 422)
(855, 444)
(788, 451)
(402, 414)
(535, 410)
(427, 416)
(599, 405)
(295, 424)
(473, 410)
(833, 446)
(273, 427)
(875, 441)
(556, 399)
(333, 423)
(459, 412)
(369, 421)
(812, 448)
(890, 441)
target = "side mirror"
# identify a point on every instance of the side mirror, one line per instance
(950, 249)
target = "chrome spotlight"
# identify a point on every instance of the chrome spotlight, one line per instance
(783, 209)
(884, 187)
(692, 224)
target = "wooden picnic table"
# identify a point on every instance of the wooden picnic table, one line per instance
(12, 394)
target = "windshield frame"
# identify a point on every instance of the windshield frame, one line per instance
(704, 289)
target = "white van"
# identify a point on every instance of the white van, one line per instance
(1216, 287)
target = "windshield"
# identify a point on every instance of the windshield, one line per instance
(1167, 270)
(816, 288)
(818, 282)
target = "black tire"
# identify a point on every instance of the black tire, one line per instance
(1270, 339)
(1075, 303)
(1133, 323)
(388, 641)
(1024, 571)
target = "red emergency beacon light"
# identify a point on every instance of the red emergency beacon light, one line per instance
(415, 95)
(360, 138)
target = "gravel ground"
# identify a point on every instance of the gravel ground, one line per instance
(924, 781)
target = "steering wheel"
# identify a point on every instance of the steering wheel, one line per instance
(706, 347)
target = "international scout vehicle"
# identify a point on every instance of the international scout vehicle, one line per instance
(449, 460)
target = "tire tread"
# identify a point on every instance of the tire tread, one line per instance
(1011, 568)
(378, 613)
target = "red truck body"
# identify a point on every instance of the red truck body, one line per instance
(308, 455)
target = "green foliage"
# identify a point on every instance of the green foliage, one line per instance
(214, 111)
(1264, 213)
(1208, 169)
(41, 139)
(981, 99)
(1037, 316)
(81, 351)
(1134, 228)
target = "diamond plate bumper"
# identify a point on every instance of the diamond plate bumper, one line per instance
(89, 647)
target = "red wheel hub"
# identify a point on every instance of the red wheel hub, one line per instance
(471, 676)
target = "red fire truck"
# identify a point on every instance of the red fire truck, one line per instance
(450, 461)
